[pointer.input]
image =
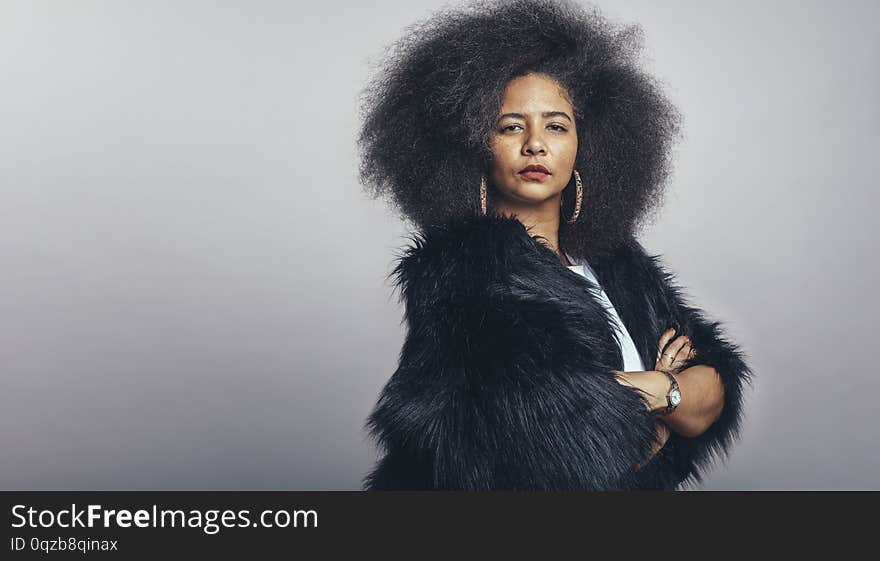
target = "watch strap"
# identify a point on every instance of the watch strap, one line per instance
(673, 386)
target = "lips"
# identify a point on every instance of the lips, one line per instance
(535, 168)
(535, 172)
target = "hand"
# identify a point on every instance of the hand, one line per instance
(663, 433)
(672, 357)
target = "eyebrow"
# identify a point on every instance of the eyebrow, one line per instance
(545, 114)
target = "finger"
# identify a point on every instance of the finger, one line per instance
(683, 352)
(663, 362)
(663, 433)
(668, 355)
(681, 357)
(667, 432)
(664, 429)
(665, 337)
(675, 347)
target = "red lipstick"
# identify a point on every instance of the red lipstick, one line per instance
(535, 171)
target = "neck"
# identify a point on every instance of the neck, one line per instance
(541, 220)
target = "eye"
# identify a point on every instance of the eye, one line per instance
(554, 126)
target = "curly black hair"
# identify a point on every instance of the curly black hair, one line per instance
(429, 111)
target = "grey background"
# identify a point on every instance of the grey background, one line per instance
(193, 284)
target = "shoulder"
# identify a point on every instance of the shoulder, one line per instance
(465, 256)
(628, 258)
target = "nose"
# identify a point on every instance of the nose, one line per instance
(534, 144)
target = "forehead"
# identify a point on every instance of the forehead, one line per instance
(534, 93)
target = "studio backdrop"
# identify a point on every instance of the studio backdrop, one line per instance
(193, 283)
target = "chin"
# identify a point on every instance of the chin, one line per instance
(530, 192)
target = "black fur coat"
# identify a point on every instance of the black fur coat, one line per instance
(504, 380)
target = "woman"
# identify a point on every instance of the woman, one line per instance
(545, 349)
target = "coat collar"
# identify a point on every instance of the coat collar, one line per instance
(468, 264)
(494, 257)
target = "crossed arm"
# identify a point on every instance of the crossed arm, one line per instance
(701, 389)
(702, 397)
(708, 421)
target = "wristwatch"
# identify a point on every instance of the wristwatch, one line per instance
(673, 396)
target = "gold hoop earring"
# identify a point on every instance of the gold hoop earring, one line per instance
(483, 194)
(579, 195)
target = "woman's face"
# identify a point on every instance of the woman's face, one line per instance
(535, 126)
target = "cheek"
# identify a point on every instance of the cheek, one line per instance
(569, 152)
(568, 146)
(503, 155)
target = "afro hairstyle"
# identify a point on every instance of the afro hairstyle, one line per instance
(430, 108)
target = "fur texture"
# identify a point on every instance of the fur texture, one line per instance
(504, 380)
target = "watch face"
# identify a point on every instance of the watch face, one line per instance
(675, 397)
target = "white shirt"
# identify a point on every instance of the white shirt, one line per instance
(631, 360)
